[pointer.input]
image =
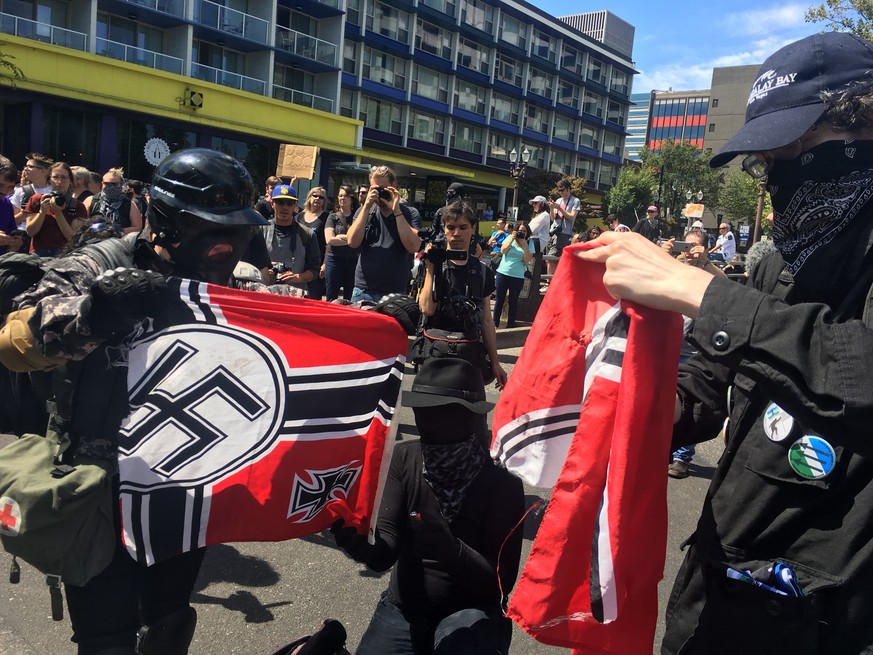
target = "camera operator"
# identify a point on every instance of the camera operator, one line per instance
(52, 218)
(456, 290)
(383, 229)
(293, 248)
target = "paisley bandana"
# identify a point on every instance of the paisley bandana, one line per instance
(823, 198)
(450, 469)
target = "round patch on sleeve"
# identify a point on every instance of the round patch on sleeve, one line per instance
(10, 517)
(812, 457)
(777, 422)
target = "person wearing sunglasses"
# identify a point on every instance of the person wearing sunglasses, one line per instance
(785, 359)
(314, 216)
(292, 246)
(383, 229)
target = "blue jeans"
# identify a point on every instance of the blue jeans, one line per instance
(468, 632)
(359, 294)
(339, 272)
(512, 285)
(684, 454)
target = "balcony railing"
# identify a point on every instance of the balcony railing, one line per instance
(139, 56)
(230, 21)
(30, 29)
(302, 98)
(173, 7)
(307, 46)
(226, 78)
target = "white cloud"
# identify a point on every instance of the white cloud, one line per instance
(765, 21)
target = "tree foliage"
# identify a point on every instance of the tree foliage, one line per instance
(9, 70)
(855, 16)
(632, 193)
(739, 198)
(680, 167)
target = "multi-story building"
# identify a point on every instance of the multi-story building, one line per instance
(441, 90)
(729, 95)
(637, 125)
(677, 115)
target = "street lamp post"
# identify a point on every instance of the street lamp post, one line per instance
(517, 166)
(689, 196)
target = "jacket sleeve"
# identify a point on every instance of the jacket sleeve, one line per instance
(815, 368)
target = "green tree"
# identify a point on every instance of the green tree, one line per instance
(677, 168)
(739, 198)
(855, 16)
(632, 193)
(9, 70)
(535, 182)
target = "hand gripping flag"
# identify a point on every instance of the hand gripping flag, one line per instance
(254, 417)
(589, 408)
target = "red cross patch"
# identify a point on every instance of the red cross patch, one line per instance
(10, 517)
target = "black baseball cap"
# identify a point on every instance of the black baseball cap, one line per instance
(785, 101)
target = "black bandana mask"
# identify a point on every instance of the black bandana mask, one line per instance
(822, 216)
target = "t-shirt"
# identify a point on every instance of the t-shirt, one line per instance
(384, 265)
(50, 237)
(285, 244)
(7, 219)
(512, 262)
(728, 245)
(18, 194)
(317, 227)
(335, 222)
(459, 288)
(264, 207)
(499, 237)
(256, 252)
(539, 229)
(571, 204)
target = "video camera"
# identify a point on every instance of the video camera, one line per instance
(438, 252)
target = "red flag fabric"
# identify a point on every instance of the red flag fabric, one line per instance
(593, 394)
(254, 417)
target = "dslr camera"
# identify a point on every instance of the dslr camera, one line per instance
(279, 267)
(59, 198)
(384, 193)
(439, 252)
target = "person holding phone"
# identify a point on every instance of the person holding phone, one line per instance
(511, 273)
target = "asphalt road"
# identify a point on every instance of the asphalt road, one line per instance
(253, 597)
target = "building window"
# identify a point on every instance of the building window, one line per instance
(619, 82)
(561, 162)
(612, 143)
(544, 46)
(383, 68)
(616, 113)
(473, 56)
(347, 103)
(537, 119)
(589, 137)
(433, 39)
(596, 71)
(389, 22)
(712, 127)
(608, 175)
(350, 57)
(565, 128)
(293, 78)
(500, 145)
(585, 169)
(431, 84)
(507, 69)
(470, 97)
(426, 127)
(467, 137)
(513, 32)
(568, 94)
(592, 104)
(446, 7)
(537, 157)
(380, 115)
(478, 14)
(540, 83)
(714, 103)
(353, 12)
(572, 60)
(506, 109)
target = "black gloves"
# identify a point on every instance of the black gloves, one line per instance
(355, 545)
(123, 297)
(433, 537)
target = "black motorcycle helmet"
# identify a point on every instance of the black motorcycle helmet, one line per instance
(201, 212)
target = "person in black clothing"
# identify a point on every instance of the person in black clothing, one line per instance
(446, 513)
(650, 226)
(264, 205)
(786, 357)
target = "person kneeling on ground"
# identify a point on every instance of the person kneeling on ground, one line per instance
(447, 517)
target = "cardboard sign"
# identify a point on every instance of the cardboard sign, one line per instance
(296, 161)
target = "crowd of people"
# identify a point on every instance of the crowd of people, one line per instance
(778, 366)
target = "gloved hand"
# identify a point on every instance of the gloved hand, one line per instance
(433, 538)
(355, 545)
(123, 297)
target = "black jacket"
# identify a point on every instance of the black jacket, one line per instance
(816, 367)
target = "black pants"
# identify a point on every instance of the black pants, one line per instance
(504, 284)
(109, 610)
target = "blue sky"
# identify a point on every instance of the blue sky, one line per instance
(678, 43)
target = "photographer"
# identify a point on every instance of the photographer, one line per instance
(455, 293)
(52, 218)
(293, 247)
(511, 273)
(383, 230)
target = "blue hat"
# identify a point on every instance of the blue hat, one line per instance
(285, 191)
(785, 101)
